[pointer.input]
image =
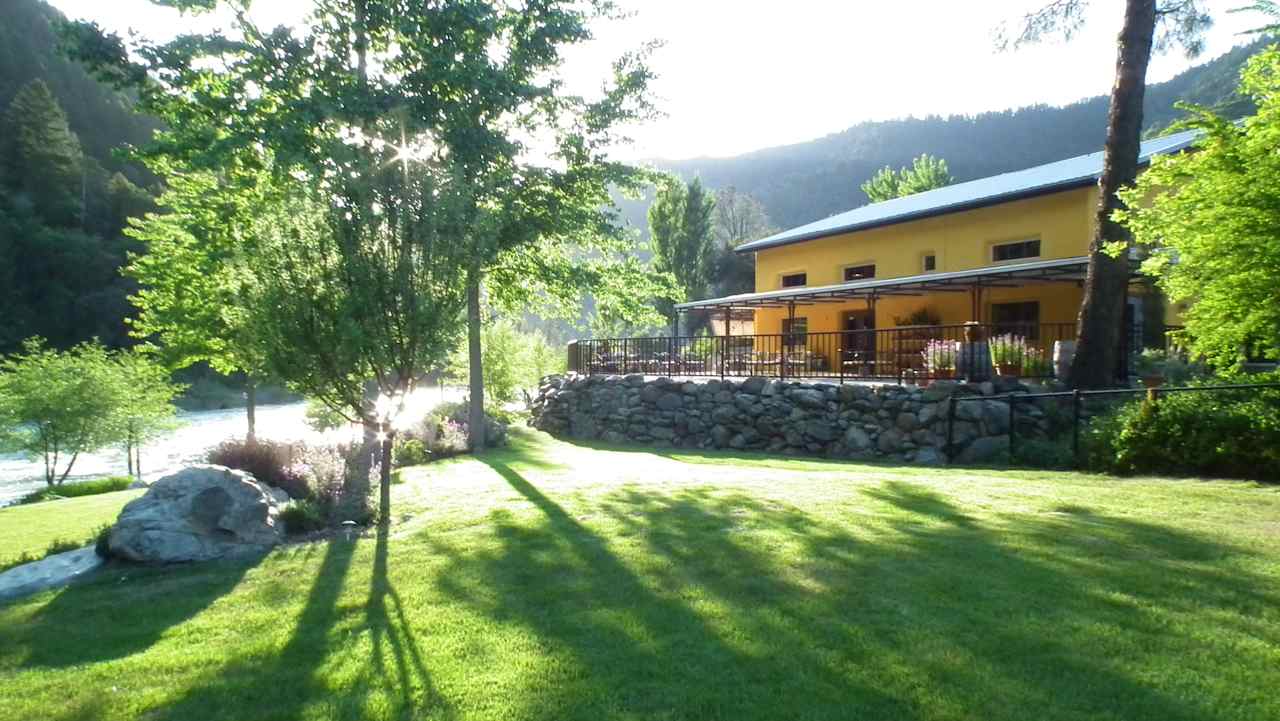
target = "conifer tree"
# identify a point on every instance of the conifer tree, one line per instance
(42, 154)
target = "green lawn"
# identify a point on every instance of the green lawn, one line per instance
(31, 529)
(553, 581)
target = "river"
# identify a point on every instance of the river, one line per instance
(199, 431)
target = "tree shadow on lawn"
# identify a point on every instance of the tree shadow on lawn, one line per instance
(123, 610)
(329, 630)
(734, 608)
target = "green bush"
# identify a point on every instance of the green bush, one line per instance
(410, 451)
(514, 360)
(304, 516)
(82, 488)
(1224, 434)
(102, 541)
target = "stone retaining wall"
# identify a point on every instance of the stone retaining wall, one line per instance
(899, 423)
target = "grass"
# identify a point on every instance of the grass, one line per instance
(555, 581)
(31, 531)
(79, 489)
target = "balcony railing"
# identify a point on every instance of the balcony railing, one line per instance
(973, 351)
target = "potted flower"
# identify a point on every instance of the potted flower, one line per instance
(940, 358)
(1151, 365)
(1009, 353)
(1034, 363)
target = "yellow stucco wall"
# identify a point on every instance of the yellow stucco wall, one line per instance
(1062, 222)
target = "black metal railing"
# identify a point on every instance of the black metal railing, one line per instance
(971, 351)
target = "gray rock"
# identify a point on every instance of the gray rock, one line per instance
(927, 414)
(995, 415)
(634, 380)
(986, 449)
(939, 390)
(50, 572)
(906, 422)
(820, 430)
(198, 514)
(754, 385)
(969, 411)
(724, 415)
(744, 401)
(720, 436)
(929, 457)
(808, 398)
(670, 401)
(889, 441)
(857, 440)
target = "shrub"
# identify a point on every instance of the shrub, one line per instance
(271, 462)
(514, 360)
(1225, 434)
(327, 472)
(410, 451)
(82, 488)
(304, 516)
(102, 541)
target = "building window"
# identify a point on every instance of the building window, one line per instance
(795, 280)
(859, 272)
(795, 331)
(1017, 318)
(1016, 251)
(929, 263)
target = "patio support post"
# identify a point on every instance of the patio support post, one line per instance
(671, 342)
(786, 338)
(724, 341)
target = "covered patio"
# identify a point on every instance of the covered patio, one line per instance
(837, 331)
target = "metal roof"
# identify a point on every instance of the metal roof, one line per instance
(1066, 174)
(956, 281)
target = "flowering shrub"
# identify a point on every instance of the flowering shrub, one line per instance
(940, 355)
(270, 462)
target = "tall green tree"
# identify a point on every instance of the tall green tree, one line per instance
(1148, 25)
(739, 218)
(925, 173)
(56, 405)
(1211, 221)
(42, 155)
(480, 82)
(190, 286)
(147, 409)
(681, 229)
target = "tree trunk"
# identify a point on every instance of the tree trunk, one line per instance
(251, 410)
(475, 415)
(128, 454)
(384, 478)
(1099, 326)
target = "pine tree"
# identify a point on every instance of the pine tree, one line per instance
(681, 225)
(42, 154)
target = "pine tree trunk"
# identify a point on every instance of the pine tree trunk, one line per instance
(251, 410)
(1099, 326)
(475, 415)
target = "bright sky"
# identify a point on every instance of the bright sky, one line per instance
(739, 75)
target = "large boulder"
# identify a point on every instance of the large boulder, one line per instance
(200, 513)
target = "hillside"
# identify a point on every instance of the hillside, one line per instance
(100, 117)
(807, 181)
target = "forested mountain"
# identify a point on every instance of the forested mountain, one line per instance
(807, 181)
(64, 195)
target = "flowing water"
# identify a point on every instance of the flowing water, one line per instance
(200, 431)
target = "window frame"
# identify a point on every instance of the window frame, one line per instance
(782, 279)
(924, 259)
(1039, 243)
(844, 271)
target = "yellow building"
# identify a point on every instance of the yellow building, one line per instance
(885, 290)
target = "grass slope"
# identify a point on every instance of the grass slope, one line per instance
(32, 529)
(553, 581)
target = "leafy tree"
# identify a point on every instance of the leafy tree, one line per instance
(56, 405)
(1100, 325)
(925, 173)
(1211, 219)
(681, 230)
(190, 284)
(739, 218)
(147, 410)
(515, 360)
(42, 155)
(473, 80)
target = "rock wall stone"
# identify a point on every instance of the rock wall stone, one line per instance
(888, 422)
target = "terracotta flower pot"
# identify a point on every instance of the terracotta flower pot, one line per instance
(1152, 381)
(1009, 369)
